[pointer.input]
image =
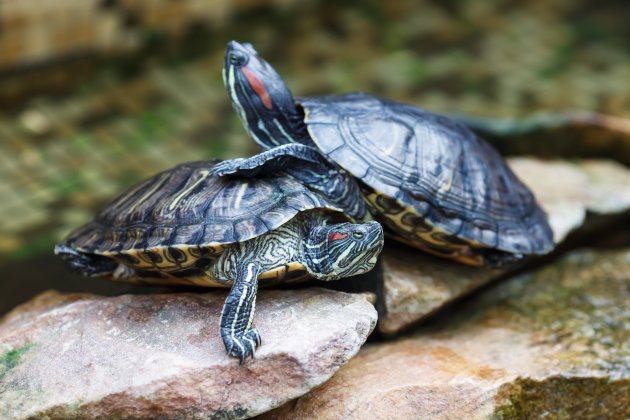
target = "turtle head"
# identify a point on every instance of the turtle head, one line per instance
(261, 98)
(343, 250)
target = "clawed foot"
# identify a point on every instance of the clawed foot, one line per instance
(243, 345)
(227, 167)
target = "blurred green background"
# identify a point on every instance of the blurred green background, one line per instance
(95, 95)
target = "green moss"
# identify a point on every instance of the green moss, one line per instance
(237, 413)
(11, 358)
(590, 286)
(566, 398)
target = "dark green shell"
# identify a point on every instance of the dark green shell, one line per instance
(432, 179)
(185, 209)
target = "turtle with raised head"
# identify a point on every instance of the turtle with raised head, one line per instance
(186, 226)
(430, 180)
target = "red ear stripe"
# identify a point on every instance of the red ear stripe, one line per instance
(336, 235)
(258, 86)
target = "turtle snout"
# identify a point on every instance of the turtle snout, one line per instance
(375, 231)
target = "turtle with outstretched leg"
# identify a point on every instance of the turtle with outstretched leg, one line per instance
(186, 226)
(430, 180)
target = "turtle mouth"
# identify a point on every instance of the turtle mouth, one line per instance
(370, 255)
(376, 251)
(377, 246)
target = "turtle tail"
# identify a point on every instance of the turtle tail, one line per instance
(89, 265)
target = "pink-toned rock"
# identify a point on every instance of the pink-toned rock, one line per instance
(554, 344)
(161, 355)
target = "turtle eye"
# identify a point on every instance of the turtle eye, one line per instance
(237, 58)
(357, 234)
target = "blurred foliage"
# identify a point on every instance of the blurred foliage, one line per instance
(75, 132)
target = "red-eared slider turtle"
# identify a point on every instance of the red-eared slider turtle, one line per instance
(186, 226)
(430, 180)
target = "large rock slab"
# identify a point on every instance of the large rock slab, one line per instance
(555, 343)
(150, 356)
(416, 285)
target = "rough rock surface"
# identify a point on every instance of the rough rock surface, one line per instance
(568, 190)
(415, 285)
(555, 343)
(148, 356)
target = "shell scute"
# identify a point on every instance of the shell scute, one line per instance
(433, 166)
(185, 213)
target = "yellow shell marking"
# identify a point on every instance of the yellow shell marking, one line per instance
(240, 194)
(173, 205)
(191, 255)
(148, 194)
(270, 277)
(415, 237)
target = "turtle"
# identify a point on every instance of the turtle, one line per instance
(428, 179)
(186, 226)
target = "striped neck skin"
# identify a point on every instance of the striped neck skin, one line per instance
(342, 250)
(262, 99)
(337, 185)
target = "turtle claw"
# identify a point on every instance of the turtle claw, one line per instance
(244, 345)
(227, 167)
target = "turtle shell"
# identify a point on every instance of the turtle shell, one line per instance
(430, 177)
(174, 218)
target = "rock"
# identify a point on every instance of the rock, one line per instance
(567, 190)
(571, 134)
(416, 284)
(148, 356)
(43, 302)
(554, 343)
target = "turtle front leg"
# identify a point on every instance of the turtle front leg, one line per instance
(271, 161)
(307, 165)
(237, 316)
